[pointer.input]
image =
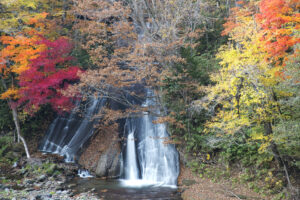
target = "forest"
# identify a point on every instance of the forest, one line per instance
(218, 79)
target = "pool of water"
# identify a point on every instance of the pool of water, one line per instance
(122, 190)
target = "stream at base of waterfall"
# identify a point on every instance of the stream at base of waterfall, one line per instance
(115, 190)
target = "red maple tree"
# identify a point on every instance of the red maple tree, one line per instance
(47, 75)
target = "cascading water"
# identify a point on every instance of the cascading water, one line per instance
(84, 174)
(66, 135)
(158, 162)
(131, 164)
(148, 159)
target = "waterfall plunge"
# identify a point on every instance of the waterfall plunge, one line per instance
(131, 165)
(158, 162)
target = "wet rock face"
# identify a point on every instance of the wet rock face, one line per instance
(102, 155)
(109, 162)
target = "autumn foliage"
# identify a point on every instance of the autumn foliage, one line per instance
(19, 49)
(49, 73)
(250, 94)
(40, 66)
(34, 59)
(251, 86)
(279, 21)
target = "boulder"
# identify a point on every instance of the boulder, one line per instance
(41, 178)
(102, 155)
(102, 165)
(115, 169)
(109, 163)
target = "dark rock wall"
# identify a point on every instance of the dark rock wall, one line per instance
(102, 155)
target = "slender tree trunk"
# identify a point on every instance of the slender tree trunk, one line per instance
(16, 121)
(274, 149)
(17, 124)
(16, 137)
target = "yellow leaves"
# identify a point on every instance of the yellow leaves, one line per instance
(19, 14)
(259, 136)
(171, 2)
(24, 4)
(229, 121)
(208, 156)
(11, 93)
(31, 4)
(21, 3)
(263, 147)
(244, 81)
(282, 93)
(14, 12)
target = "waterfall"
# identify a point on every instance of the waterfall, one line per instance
(158, 161)
(66, 135)
(131, 164)
(147, 158)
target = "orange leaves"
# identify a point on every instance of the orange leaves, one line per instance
(39, 23)
(272, 13)
(238, 14)
(36, 20)
(229, 25)
(279, 21)
(11, 93)
(19, 51)
(276, 26)
(240, 2)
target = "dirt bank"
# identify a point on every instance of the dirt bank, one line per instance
(195, 188)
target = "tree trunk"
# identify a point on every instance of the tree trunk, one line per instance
(17, 124)
(274, 149)
(16, 121)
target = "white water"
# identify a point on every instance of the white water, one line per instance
(131, 165)
(84, 174)
(147, 161)
(157, 161)
(66, 135)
